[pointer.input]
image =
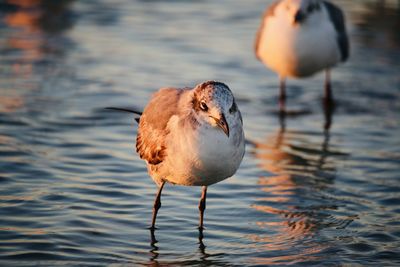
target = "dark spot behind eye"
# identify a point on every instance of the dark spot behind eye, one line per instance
(313, 7)
(233, 107)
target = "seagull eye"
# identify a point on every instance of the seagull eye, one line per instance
(203, 106)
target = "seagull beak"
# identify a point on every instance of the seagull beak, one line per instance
(221, 123)
(299, 17)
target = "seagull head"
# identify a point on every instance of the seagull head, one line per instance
(299, 10)
(214, 104)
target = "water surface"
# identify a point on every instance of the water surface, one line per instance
(73, 191)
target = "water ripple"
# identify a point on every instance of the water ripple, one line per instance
(317, 187)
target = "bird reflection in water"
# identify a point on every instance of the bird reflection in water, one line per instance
(154, 248)
(302, 164)
(203, 258)
(154, 241)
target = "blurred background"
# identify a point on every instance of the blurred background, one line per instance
(73, 191)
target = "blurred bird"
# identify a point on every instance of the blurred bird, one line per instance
(191, 137)
(298, 38)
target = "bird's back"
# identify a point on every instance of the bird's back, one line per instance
(150, 141)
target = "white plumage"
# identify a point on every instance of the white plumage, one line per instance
(197, 151)
(191, 137)
(298, 38)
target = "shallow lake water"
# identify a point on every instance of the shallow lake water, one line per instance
(73, 191)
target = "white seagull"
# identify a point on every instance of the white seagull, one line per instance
(298, 38)
(191, 137)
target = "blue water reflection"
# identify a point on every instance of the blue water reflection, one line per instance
(319, 187)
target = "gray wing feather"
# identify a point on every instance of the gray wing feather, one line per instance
(337, 17)
(270, 11)
(150, 141)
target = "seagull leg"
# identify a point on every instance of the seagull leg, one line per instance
(282, 94)
(328, 103)
(328, 88)
(202, 206)
(157, 205)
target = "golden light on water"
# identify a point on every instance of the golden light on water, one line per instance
(10, 104)
(25, 3)
(26, 37)
(74, 191)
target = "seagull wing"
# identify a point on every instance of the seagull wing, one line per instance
(337, 17)
(270, 11)
(150, 141)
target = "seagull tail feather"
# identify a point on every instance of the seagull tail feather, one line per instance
(126, 110)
